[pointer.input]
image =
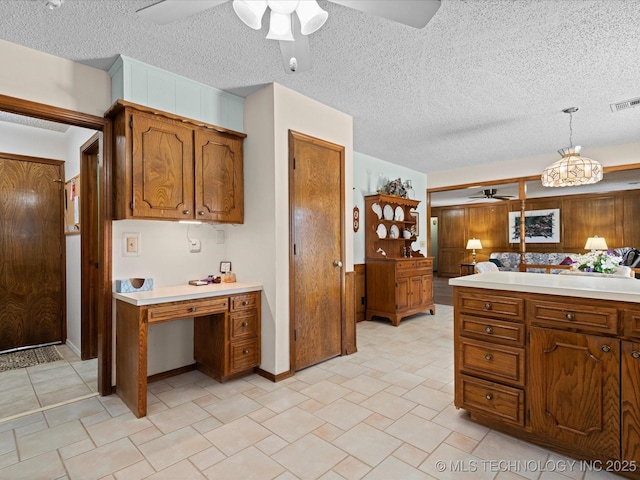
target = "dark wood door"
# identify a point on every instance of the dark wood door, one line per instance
(317, 249)
(162, 168)
(575, 390)
(32, 278)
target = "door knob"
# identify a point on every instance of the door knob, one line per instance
(337, 263)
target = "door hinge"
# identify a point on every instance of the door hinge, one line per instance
(131, 206)
(295, 335)
(131, 123)
(294, 248)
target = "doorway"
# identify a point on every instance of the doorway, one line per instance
(317, 279)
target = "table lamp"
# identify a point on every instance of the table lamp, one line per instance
(474, 244)
(594, 243)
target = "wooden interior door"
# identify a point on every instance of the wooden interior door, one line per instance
(32, 272)
(316, 188)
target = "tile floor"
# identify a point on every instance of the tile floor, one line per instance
(383, 413)
(32, 388)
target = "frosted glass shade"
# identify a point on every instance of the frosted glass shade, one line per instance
(311, 16)
(280, 27)
(250, 12)
(571, 170)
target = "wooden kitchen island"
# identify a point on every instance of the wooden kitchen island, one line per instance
(226, 332)
(554, 360)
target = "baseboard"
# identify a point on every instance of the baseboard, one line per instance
(273, 377)
(73, 348)
(171, 373)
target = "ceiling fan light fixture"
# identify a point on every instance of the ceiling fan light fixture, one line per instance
(250, 12)
(280, 27)
(311, 16)
(572, 169)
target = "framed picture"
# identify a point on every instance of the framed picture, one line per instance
(416, 216)
(540, 226)
(225, 267)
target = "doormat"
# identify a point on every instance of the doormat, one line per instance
(28, 358)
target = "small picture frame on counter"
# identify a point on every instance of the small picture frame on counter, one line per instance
(225, 267)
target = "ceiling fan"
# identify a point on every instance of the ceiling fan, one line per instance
(292, 30)
(490, 193)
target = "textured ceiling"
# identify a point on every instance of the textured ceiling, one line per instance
(484, 81)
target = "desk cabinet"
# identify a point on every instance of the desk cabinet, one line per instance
(226, 340)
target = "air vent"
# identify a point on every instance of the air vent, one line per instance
(616, 107)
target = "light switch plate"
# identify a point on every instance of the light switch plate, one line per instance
(194, 245)
(131, 244)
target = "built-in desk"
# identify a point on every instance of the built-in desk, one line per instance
(226, 332)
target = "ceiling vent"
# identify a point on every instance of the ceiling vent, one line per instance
(616, 107)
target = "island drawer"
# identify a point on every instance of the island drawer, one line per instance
(195, 308)
(491, 399)
(497, 306)
(492, 330)
(495, 362)
(632, 323)
(574, 315)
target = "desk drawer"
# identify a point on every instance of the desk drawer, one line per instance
(492, 330)
(195, 308)
(245, 301)
(495, 306)
(491, 399)
(244, 355)
(576, 316)
(496, 362)
(244, 324)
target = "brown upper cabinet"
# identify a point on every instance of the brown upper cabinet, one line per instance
(169, 167)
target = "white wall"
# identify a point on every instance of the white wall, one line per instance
(608, 156)
(369, 174)
(263, 242)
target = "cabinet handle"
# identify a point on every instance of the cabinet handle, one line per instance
(245, 351)
(244, 324)
(488, 357)
(488, 396)
(489, 330)
(571, 316)
(488, 306)
(606, 348)
(635, 354)
(192, 309)
(200, 212)
(186, 212)
(245, 303)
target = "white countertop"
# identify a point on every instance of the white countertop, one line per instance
(178, 293)
(606, 288)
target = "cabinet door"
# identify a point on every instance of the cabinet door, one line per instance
(219, 177)
(162, 165)
(403, 293)
(415, 292)
(630, 396)
(427, 290)
(575, 390)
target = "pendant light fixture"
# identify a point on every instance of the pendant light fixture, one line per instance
(572, 169)
(311, 16)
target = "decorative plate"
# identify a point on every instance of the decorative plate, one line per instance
(377, 209)
(388, 212)
(399, 215)
(381, 231)
(394, 231)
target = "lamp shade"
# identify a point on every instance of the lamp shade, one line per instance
(571, 170)
(311, 16)
(596, 243)
(280, 27)
(474, 244)
(250, 12)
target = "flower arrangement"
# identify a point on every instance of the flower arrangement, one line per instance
(597, 261)
(396, 187)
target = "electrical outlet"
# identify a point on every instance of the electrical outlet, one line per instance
(194, 245)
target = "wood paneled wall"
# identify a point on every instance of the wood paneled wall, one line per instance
(614, 216)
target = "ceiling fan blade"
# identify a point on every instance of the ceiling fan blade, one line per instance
(298, 50)
(409, 12)
(167, 11)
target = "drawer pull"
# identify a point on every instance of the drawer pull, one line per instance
(606, 348)
(488, 357)
(245, 324)
(489, 330)
(489, 396)
(635, 354)
(186, 212)
(571, 316)
(245, 351)
(488, 306)
(245, 303)
(200, 212)
(192, 309)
